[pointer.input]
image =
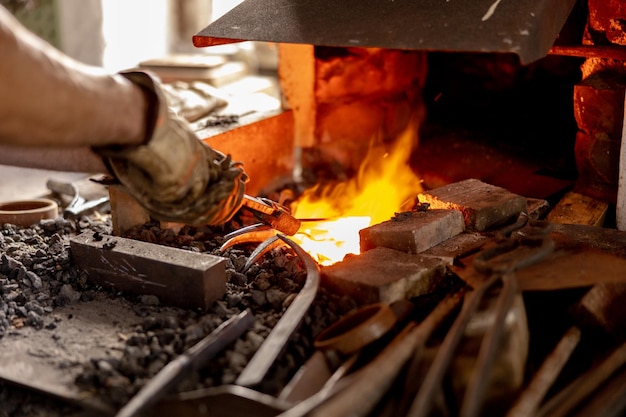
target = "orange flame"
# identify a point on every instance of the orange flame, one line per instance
(384, 185)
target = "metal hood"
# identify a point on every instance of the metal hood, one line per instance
(527, 28)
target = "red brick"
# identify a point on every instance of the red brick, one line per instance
(599, 104)
(609, 16)
(458, 247)
(384, 275)
(413, 232)
(597, 160)
(482, 205)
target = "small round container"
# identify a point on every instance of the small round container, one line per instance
(28, 212)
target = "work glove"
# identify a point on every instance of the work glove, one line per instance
(174, 175)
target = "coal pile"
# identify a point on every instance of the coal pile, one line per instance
(37, 276)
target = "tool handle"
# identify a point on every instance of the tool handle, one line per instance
(62, 187)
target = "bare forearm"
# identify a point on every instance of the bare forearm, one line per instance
(75, 159)
(49, 99)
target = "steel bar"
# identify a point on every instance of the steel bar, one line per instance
(477, 385)
(563, 403)
(530, 399)
(421, 406)
(621, 187)
(568, 399)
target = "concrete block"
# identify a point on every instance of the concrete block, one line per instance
(413, 232)
(176, 276)
(384, 275)
(483, 205)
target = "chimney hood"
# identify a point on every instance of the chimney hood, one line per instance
(527, 28)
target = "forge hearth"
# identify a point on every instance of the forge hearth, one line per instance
(137, 334)
(509, 155)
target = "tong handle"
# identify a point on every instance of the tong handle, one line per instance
(273, 214)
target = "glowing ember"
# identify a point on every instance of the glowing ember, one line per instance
(385, 184)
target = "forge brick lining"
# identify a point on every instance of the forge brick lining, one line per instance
(407, 256)
(413, 232)
(384, 275)
(483, 205)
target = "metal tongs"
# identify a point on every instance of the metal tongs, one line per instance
(272, 213)
(79, 205)
(274, 217)
(520, 245)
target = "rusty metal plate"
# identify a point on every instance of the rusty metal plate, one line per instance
(48, 361)
(527, 28)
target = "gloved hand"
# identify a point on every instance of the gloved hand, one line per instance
(174, 175)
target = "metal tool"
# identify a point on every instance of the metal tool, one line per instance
(351, 337)
(358, 329)
(262, 249)
(255, 233)
(363, 389)
(178, 369)
(530, 399)
(221, 401)
(569, 398)
(78, 205)
(272, 214)
(522, 248)
(276, 341)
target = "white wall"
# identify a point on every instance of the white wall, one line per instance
(118, 34)
(222, 6)
(80, 30)
(134, 30)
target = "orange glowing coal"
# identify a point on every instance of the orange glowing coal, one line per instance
(384, 185)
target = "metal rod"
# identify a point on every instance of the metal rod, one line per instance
(621, 188)
(528, 402)
(375, 378)
(178, 369)
(563, 403)
(591, 51)
(276, 341)
(422, 404)
(478, 383)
